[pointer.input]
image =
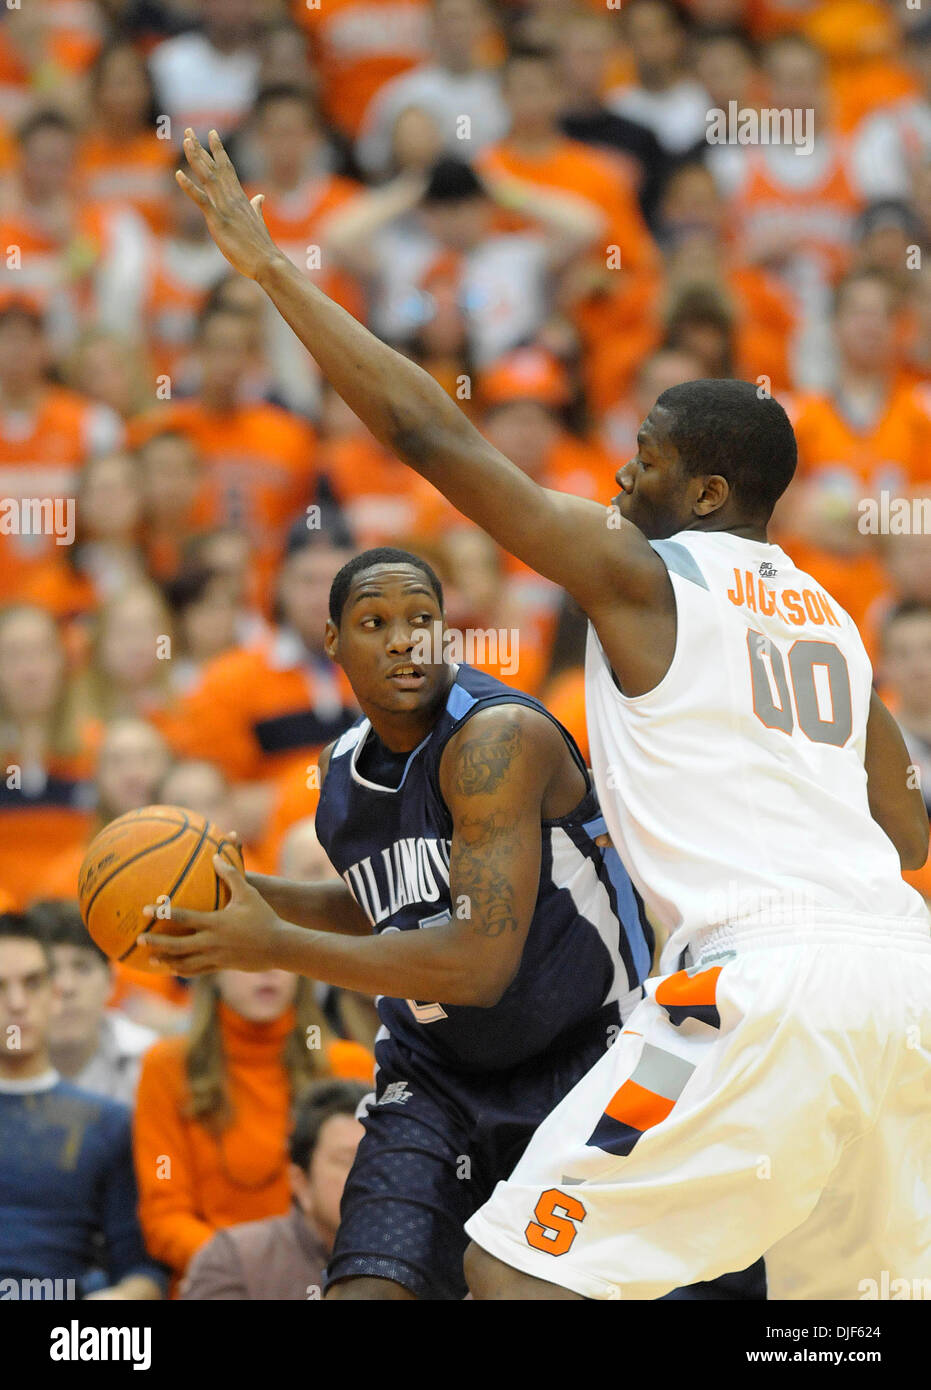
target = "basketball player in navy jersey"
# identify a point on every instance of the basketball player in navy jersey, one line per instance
(507, 943)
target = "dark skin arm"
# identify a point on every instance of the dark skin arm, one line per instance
(501, 774)
(613, 572)
(894, 804)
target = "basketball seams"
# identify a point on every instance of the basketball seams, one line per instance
(181, 822)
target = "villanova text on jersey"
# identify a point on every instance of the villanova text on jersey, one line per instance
(588, 947)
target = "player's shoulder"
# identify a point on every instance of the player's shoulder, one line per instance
(504, 733)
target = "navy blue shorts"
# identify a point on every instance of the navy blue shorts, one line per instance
(436, 1143)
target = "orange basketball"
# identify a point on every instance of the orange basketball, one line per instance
(156, 856)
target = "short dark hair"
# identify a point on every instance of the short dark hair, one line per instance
(59, 923)
(452, 181)
(284, 91)
(48, 118)
(319, 1103)
(24, 926)
(380, 555)
(729, 427)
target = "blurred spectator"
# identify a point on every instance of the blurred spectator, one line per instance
(284, 1257)
(156, 296)
(131, 671)
(206, 78)
(726, 66)
(892, 142)
(583, 55)
(122, 158)
(281, 700)
(666, 98)
(131, 760)
(413, 243)
(203, 611)
(110, 368)
(46, 433)
(795, 213)
(53, 239)
(536, 152)
(905, 670)
(67, 1195)
(699, 322)
(887, 235)
(454, 88)
(258, 461)
(358, 46)
(170, 475)
(869, 435)
(96, 1048)
(212, 1114)
(106, 556)
(46, 751)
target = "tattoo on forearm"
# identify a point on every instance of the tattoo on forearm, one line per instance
(482, 762)
(483, 856)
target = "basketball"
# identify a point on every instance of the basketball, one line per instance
(154, 856)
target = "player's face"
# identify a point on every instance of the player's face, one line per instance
(654, 486)
(26, 1000)
(390, 640)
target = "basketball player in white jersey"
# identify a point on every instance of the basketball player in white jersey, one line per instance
(769, 1096)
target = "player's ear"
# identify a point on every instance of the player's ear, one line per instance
(714, 493)
(331, 640)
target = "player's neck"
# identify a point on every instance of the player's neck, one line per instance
(401, 732)
(747, 531)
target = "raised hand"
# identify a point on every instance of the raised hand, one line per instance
(234, 221)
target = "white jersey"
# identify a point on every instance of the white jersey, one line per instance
(736, 790)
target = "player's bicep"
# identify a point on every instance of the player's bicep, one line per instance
(493, 782)
(895, 797)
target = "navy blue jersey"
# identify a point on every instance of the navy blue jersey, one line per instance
(588, 946)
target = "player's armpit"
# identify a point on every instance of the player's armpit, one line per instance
(493, 778)
(895, 798)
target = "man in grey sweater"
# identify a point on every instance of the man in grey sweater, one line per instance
(283, 1257)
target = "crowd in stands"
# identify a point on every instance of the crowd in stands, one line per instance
(522, 196)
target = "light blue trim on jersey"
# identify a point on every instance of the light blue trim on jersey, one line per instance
(628, 909)
(680, 560)
(459, 702)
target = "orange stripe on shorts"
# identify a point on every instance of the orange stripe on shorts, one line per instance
(636, 1106)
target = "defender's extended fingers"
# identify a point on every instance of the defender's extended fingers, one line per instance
(198, 158)
(191, 189)
(221, 158)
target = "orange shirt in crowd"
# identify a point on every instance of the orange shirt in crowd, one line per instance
(255, 709)
(572, 167)
(817, 222)
(383, 500)
(358, 46)
(133, 171)
(37, 828)
(297, 224)
(258, 470)
(857, 464)
(40, 457)
(192, 1183)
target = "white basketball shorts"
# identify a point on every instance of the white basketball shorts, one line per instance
(772, 1100)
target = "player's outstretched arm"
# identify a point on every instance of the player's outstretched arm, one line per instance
(896, 802)
(494, 774)
(563, 537)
